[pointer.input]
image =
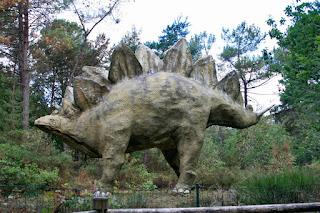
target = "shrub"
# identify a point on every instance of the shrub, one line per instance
(135, 175)
(294, 185)
(254, 145)
(15, 173)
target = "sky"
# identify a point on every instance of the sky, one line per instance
(152, 16)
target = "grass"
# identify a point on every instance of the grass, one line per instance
(289, 186)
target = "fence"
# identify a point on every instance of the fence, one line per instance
(61, 199)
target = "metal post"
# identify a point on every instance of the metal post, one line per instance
(197, 195)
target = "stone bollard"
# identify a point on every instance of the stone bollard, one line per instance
(100, 204)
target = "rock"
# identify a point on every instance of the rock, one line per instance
(68, 109)
(204, 71)
(231, 86)
(90, 87)
(68, 94)
(178, 59)
(97, 74)
(123, 64)
(149, 61)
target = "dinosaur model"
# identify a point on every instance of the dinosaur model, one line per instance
(144, 102)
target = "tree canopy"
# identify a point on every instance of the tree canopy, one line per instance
(298, 61)
(241, 43)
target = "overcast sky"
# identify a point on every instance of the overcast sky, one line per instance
(152, 16)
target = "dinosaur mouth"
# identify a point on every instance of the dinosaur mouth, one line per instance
(73, 143)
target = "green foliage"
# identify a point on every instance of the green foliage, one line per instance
(10, 109)
(244, 38)
(136, 175)
(55, 53)
(263, 147)
(66, 200)
(179, 29)
(35, 162)
(212, 170)
(17, 173)
(286, 186)
(305, 131)
(254, 145)
(132, 39)
(298, 61)
(200, 42)
(300, 65)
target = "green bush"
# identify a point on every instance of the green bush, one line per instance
(135, 175)
(254, 145)
(211, 170)
(34, 162)
(289, 186)
(15, 173)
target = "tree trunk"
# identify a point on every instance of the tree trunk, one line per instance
(145, 157)
(78, 60)
(53, 91)
(221, 135)
(13, 122)
(23, 61)
(245, 87)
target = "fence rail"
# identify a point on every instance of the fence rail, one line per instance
(296, 207)
(48, 199)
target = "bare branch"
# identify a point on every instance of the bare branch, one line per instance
(79, 16)
(263, 83)
(86, 37)
(105, 15)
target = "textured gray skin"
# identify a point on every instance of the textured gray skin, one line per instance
(163, 110)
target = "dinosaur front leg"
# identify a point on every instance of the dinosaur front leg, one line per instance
(189, 146)
(113, 157)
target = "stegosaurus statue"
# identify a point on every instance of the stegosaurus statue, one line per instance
(144, 102)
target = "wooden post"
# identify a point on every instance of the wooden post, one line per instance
(100, 204)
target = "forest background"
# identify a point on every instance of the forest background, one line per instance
(40, 56)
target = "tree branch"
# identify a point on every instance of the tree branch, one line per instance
(86, 37)
(105, 15)
(253, 87)
(78, 14)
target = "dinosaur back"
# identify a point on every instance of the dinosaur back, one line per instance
(94, 82)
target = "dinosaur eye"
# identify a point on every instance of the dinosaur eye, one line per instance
(53, 122)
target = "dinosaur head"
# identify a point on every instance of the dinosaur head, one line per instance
(54, 124)
(62, 127)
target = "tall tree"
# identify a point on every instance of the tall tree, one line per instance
(301, 62)
(200, 42)
(25, 16)
(241, 43)
(56, 52)
(178, 29)
(23, 32)
(299, 65)
(132, 38)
